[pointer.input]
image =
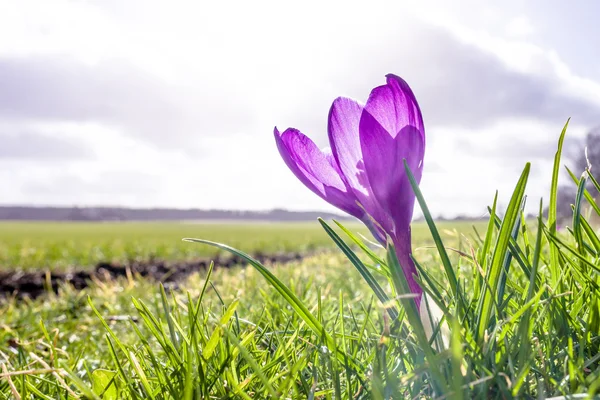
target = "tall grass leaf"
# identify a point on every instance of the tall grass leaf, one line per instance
(141, 375)
(90, 393)
(432, 288)
(215, 337)
(108, 329)
(448, 269)
(345, 345)
(362, 269)
(593, 180)
(570, 249)
(169, 317)
(586, 193)
(508, 256)
(552, 208)
(516, 251)
(524, 341)
(489, 233)
(486, 302)
(190, 360)
(577, 214)
(591, 234)
(113, 353)
(456, 360)
(103, 384)
(370, 253)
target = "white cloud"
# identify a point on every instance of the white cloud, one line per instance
(519, 27)
(180, 98)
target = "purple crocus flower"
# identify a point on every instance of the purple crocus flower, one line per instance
(363, 173)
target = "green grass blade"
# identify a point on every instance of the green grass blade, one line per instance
(525, 341)
(215, 337)
(456, 360)
(577, 214)
(594, 181)
(552, 209)
(448, 269)
(486, 302)
(167, 310)
(508, 257)
(362, 269)
(562, 244)
(489, 233)
(361, 244)
(586, 193)
(589, 231)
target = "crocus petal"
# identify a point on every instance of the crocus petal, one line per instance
(383, 160)
(343, 130)
(394, 106)
(316, 169)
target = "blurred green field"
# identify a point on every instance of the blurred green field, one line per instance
(59, 245)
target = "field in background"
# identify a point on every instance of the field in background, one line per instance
(32, 245)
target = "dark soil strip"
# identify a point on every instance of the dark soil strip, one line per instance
(35, 283)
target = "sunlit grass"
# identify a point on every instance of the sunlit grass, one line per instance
(270, 332)
(52, 245)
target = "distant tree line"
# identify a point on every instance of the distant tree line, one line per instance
(24, 213)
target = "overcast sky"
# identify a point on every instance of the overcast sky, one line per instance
(172, 103)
